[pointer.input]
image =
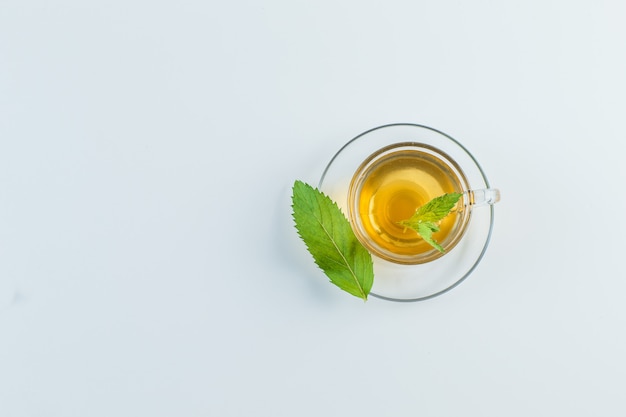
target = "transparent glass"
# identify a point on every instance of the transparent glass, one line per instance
(401, 276)
(391, 184)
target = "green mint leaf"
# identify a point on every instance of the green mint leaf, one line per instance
(426, 230)
(436, 209)
(423, 221)
(331, 241)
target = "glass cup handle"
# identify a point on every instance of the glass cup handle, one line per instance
(484, 197)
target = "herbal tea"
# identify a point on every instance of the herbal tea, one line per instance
(389, 187)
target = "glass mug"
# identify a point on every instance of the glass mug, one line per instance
(392, 183)
(382, 176)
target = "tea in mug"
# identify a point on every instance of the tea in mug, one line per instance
(389, 188)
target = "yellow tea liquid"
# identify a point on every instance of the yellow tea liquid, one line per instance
(392, 189)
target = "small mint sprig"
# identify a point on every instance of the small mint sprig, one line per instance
(424, 220)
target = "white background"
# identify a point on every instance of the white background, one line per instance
(148, 261)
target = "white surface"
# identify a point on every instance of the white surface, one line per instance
(147, 150)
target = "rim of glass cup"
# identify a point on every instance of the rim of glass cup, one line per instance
(480, 256)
